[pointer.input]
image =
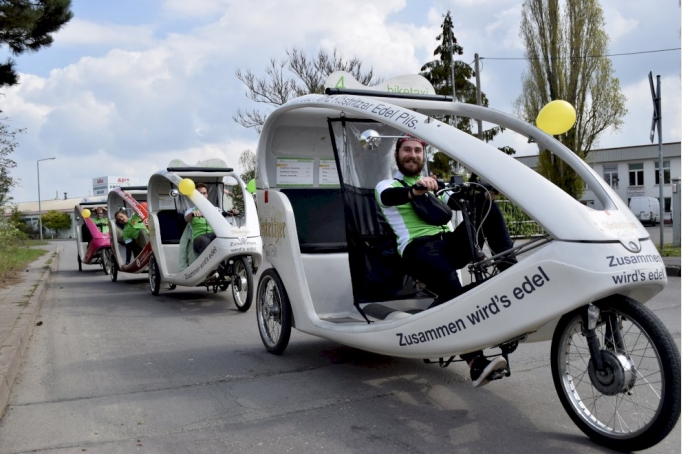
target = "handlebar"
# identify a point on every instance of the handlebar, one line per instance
(459, 187)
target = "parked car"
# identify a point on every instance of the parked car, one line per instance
(647, 209)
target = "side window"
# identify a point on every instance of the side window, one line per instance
(611, 175)
(666, 173)
(636, 174)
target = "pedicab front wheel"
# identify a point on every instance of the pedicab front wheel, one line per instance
(273, 312)
(633, 402)
(242, 284)
(154, 276)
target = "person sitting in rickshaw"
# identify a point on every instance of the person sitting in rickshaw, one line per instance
(433, 254)
(135, 233)
(101, 220)
(202, 233)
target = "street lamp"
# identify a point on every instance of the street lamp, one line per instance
(40, 211)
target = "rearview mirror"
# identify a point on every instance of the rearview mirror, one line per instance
(174, 193)
(370, 139)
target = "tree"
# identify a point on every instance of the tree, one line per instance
(27, 25)
(565, 45)
(439, 73)
(8, 144)
(56, 220)
(294, 76)
(17, 219)
(247, 163)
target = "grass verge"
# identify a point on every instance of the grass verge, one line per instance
(668, 250)
(15, 257)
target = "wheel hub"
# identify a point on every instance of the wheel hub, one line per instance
(618, 375)
(239, 282)
(273, 311)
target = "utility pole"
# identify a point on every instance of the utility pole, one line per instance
(656, 122)
(478, 94)
(452, 73)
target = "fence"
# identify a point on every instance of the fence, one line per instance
(520, 225)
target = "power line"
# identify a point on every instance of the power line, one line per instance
(587, 56)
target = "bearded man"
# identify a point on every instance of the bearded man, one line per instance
(433, 254)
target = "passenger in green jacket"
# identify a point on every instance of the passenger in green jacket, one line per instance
(135, 232)
(101, 220)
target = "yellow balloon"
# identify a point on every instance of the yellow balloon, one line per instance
(86, 213)
(556, 117)
(186, 186)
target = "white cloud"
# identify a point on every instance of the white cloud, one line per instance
(141, 101)
(637, 124)
(194, 8)
(82, 32)
(618, 26)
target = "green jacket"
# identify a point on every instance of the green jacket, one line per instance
(102, 224)
(200, 226)
(133, 227)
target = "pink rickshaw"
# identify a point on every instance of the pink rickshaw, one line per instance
(92, 236)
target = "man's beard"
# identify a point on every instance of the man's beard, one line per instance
(409, 173)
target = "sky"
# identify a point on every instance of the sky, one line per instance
(129, 85)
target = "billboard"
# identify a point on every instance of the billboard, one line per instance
(102, 185)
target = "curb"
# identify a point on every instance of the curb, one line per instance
(13, 349)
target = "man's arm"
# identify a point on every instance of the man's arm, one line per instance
(395, 196)
(392, 196)
(189, 214)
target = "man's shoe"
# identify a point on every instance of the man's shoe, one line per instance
(482, 370)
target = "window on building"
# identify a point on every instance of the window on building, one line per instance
(637, 174)
(666, 172)
(666, 203)
(611, 175)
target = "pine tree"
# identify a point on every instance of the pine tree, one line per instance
(439, 73)
(27, 26)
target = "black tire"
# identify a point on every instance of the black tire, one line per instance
(80, 263)
(273, 312)
(114, 269)
(106, 260)
(154, 276)
(242, 284)
(627, 413)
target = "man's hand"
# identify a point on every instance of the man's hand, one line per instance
(424, 185)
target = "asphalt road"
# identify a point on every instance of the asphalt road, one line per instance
(114, 369)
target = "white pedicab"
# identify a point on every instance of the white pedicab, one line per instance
(121, 257)
(330, 267)
(232, 256)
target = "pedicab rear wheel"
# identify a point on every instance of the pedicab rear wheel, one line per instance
(273, 312)
(634, 402)
(154, 276)
(114, 268)
(242, 284)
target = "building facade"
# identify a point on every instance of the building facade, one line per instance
(30, 211)
(631, 172)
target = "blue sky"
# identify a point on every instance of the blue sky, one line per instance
(130, 85)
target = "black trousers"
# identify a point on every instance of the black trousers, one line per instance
(202, 241)
(434, 260)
